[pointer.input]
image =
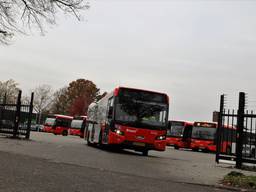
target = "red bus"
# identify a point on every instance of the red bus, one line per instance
(179, 134)
(203, 136)
(78, 126)
(228, 140)
(57, 124)
(129, 118)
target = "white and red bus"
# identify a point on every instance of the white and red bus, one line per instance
(77, 126)
(130, 118)
(203, 136)
(179, 134)
(57, 124)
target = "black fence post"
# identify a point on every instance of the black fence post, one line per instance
(30, 116)
(17, 115)
(3, 107)
(218, 134)
(240, 129)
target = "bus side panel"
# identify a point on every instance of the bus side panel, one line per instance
(102, 115)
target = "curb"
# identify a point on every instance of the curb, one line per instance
(230, 188)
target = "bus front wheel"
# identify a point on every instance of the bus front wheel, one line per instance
(88, 139)
(176, 147)
(100, 140)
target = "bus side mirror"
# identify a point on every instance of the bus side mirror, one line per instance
(110, 113)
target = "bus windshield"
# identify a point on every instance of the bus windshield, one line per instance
(142, 113)
(204, 133)
(175, 131)
(50, 121)
(77, 124)
(141, 108)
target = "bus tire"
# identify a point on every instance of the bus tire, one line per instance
(65, 133)
(85, 135)
(195, 149)
(100, 140)
(205, 150)
(145, 152)
(176, 147)
(88, 139)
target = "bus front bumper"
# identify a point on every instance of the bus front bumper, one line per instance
(116, 139)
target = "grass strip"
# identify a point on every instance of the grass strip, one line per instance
(237, 179)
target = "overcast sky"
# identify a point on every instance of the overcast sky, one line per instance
(190, 49)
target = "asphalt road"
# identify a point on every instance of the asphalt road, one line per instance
(56, 163)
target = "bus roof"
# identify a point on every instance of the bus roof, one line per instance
(137, 89)
(116, 90)
(205, 123)
(82, 117)
(60, 116)
(182, 121)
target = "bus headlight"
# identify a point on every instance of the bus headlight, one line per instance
(119, 132)
(161, 137)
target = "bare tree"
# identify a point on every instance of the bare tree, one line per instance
(42, 99)
(17, 15)
(60, 101)
(9, 90)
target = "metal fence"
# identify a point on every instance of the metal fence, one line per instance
(15, 118)
(236, 133)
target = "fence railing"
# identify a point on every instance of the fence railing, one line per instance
(15, 118)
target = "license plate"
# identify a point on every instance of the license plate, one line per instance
(139, 144)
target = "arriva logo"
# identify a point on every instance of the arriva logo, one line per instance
(130, 131)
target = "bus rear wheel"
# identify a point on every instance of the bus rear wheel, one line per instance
(65, 133)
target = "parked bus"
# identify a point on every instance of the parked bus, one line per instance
(130, 118)
(179, 134)
(78, 126)
(203, 136)
(228, 142)
(58, 124)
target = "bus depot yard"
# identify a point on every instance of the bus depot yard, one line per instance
(129, 119)
(56, 163)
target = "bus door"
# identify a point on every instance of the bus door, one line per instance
(187, 133)
(109, 115)
(186, 139)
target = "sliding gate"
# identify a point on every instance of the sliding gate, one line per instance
(236, 133)
(15, 118)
